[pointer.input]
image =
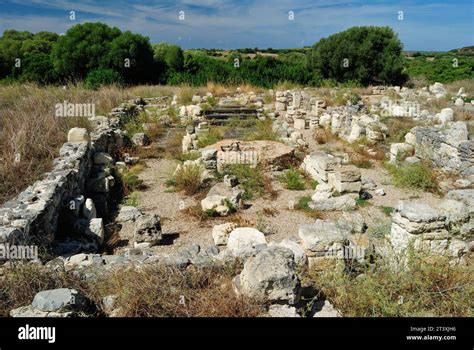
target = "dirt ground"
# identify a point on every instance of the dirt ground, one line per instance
(272, 216)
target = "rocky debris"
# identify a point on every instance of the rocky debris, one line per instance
(438, 90)
(209, 158)
(141, 139)
(270, 275)
(231, 180)
(220, 233)
(277, 310)
(400, 151)
(102, 158)
(446, 115)
(355, 220)
(446, 230)
(338, 203)
(295, 247)
(243, 241)
(346, 179)
(448, 147)
(323, 308)
(269, 154)
(233, 195)
(62, 302)
(89, 211)
(82, 260)
(76, 135)
(215, 205)
(380, 192)
(341, 189)
(128, 213)
(95, 229)
(35, 212)
(147, 230)
(319, 165)
(190, 140)
(325, 241)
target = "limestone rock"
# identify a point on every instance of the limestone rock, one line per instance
(128, 213)
(58, 300)
(76, 135)
(245, 238)
(141, 139)
(220, 233)
(282, 311)
(270, 275)
(324, 235)
(148, 229)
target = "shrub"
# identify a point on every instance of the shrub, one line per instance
(322, 136)
(376, 58)
(387, 210)
(131, 200)
(380, 230)
(292, 180)
(187, 178)
(303, 205)
(253, 180)
(100, 77)
(130, 180)
(416, 176)
(426, 287)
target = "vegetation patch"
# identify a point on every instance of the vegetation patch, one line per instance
(426, 287)
(415, 176)
(292, 180)
(252, 179)
(187, 178)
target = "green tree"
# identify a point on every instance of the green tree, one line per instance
(38, 67)
(83, 48)
(11, 50)
(171, 55)
(132, 56)
(360, 54)
(102, 76)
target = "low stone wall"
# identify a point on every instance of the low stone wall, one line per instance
(447, 229)
(33, 216)
(447, 146)
(351, 123)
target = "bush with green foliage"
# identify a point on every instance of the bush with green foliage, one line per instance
(102, 76)
(415, 176)
(366, 55)
(292, 180)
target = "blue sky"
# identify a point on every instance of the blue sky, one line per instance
(426, 25)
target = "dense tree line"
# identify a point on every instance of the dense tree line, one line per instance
(97, 53)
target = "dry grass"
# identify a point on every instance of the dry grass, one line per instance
(21, 282)
(427, 287)
(29, 128)
(152, 291)
(216, 89)
(323, 136)
(246, 88)
(165, 292)
(467, 84)
(187, 179)
(398, 128)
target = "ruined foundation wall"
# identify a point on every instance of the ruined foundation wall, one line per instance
(33, 215)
